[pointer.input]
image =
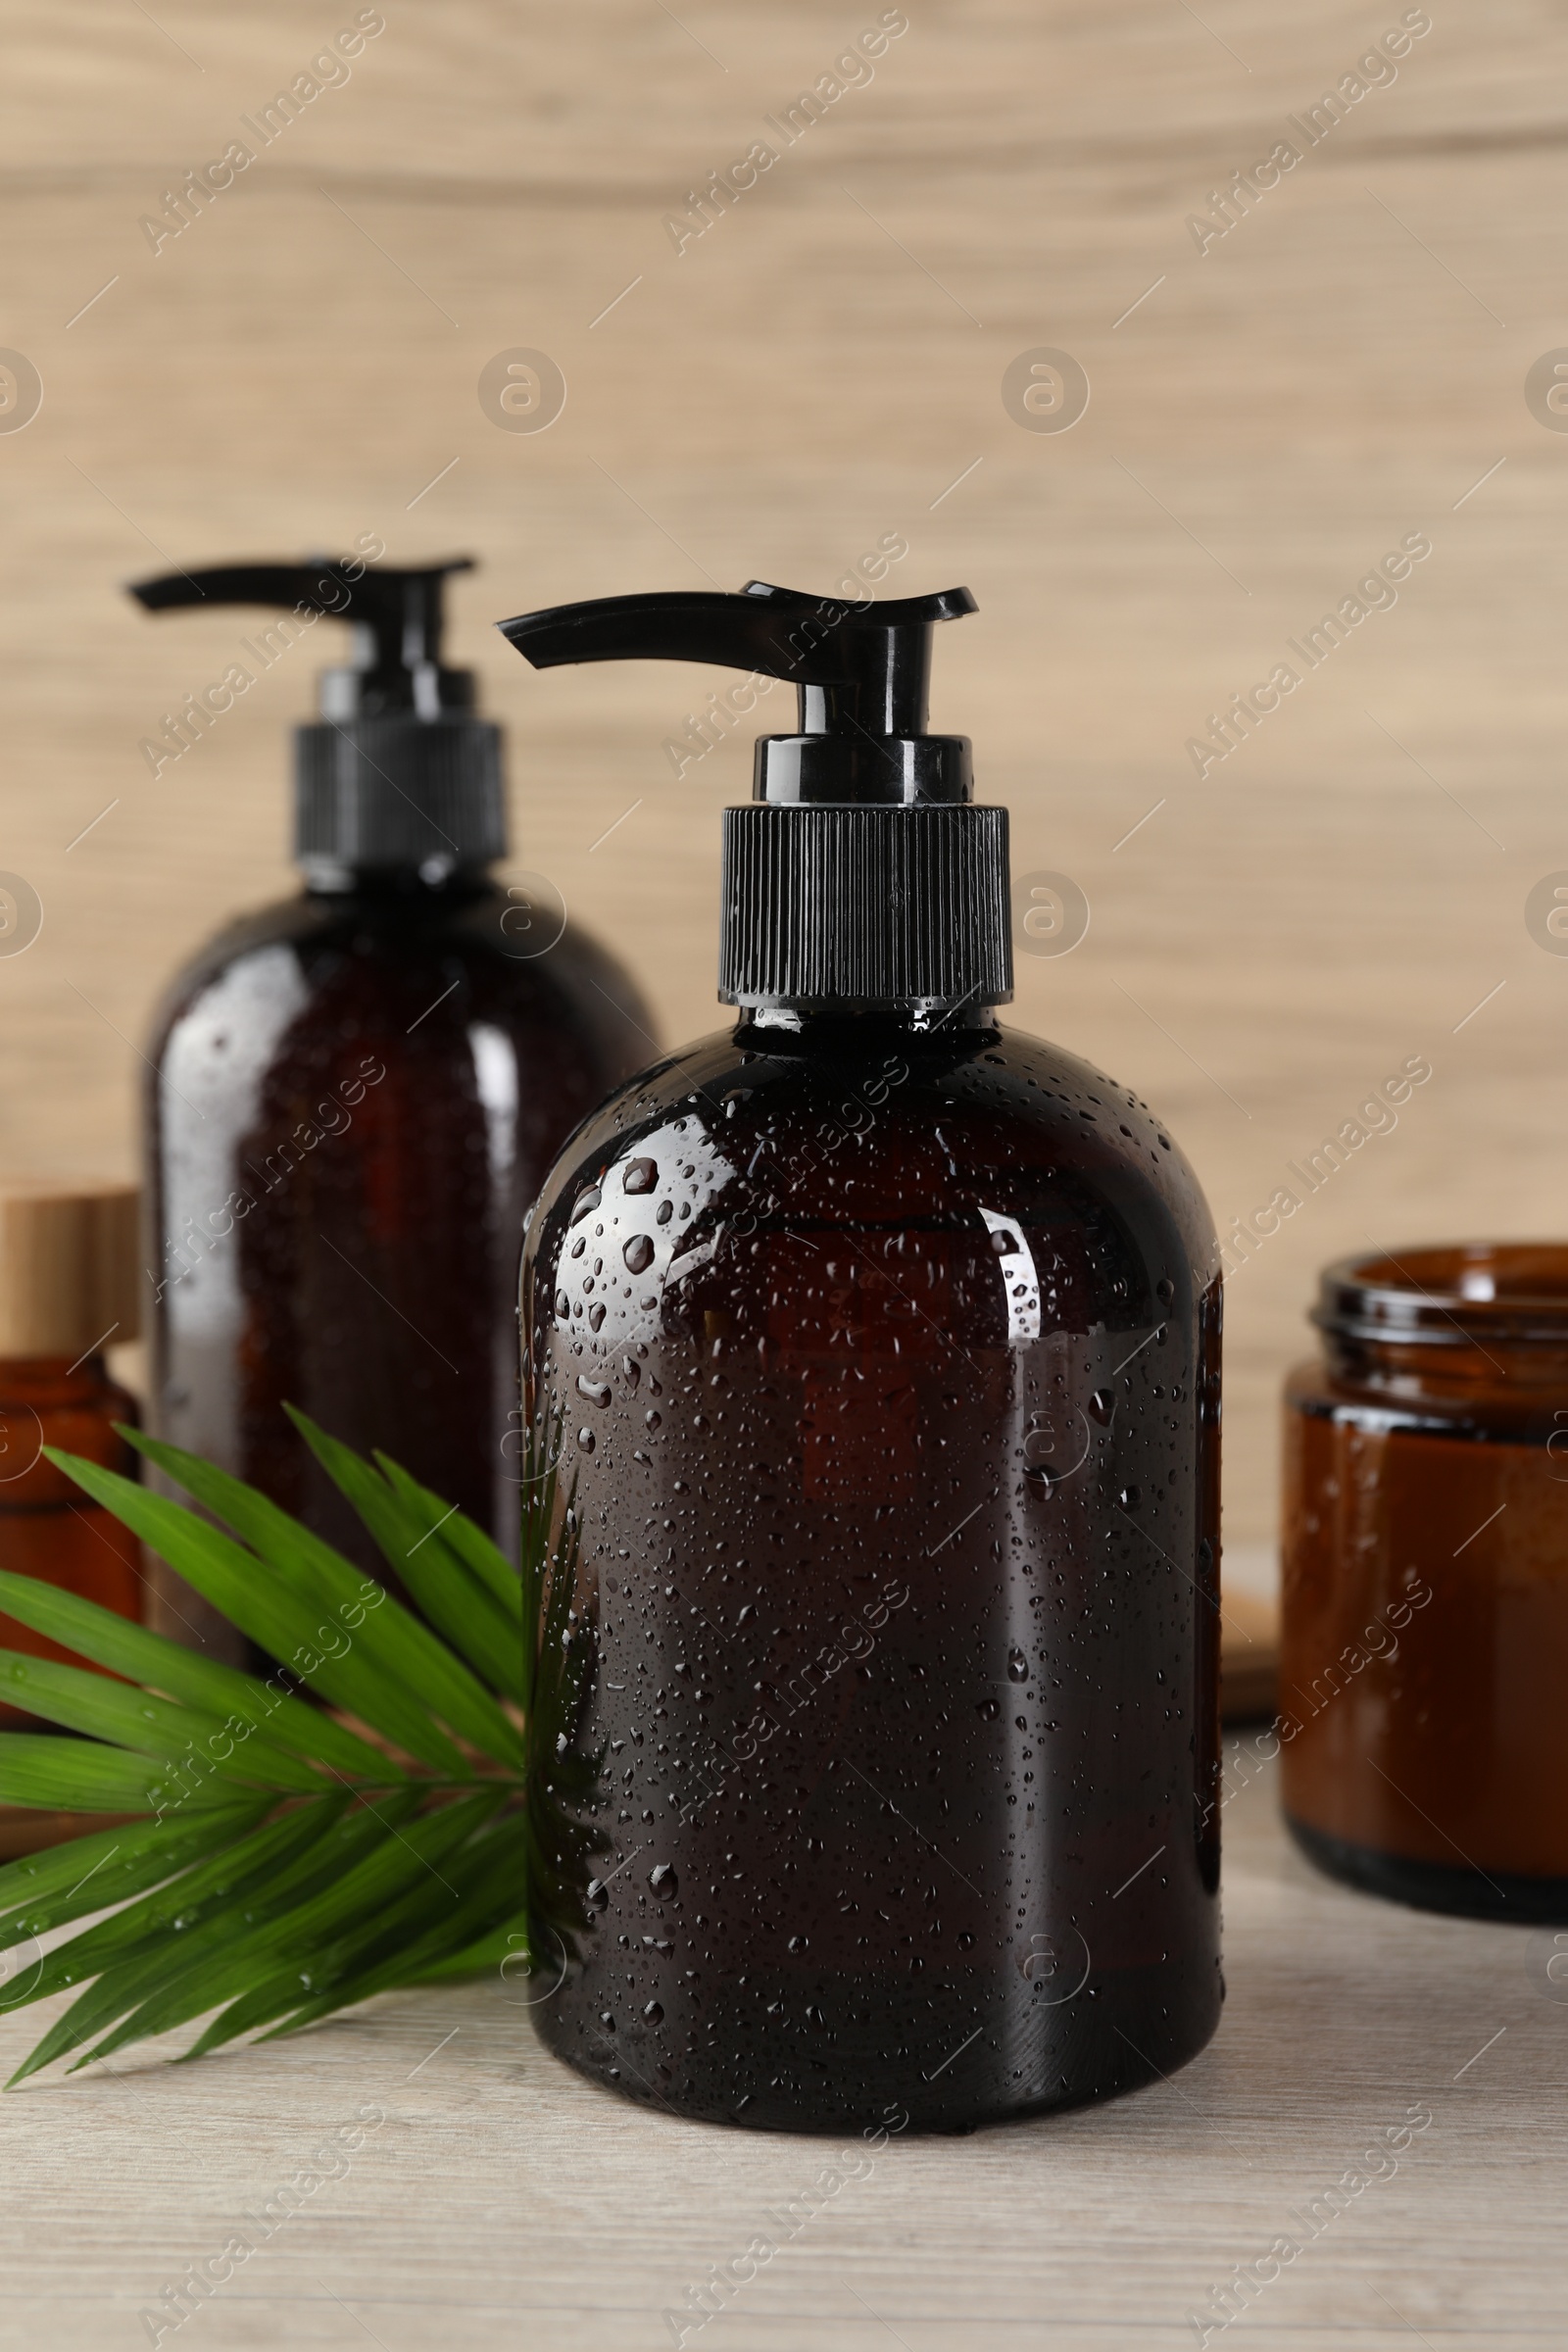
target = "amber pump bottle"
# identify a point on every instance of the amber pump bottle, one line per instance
(876, 1353)
(354, 1094)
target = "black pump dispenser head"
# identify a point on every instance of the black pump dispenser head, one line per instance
(862, 876)
(398, 772)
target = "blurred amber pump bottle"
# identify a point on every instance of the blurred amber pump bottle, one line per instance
(1425, 1658)
(69, 1288)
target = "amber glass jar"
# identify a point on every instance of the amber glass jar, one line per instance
(68, 1288)
(1425, 1666)
(48, 1527)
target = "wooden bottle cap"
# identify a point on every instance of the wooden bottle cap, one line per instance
(69, 1281)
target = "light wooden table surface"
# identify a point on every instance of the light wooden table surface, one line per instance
(503, 2203)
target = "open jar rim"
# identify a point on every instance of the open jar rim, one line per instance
(1449, 1294)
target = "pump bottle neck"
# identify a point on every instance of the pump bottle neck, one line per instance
(856, 1030)
(444, 879)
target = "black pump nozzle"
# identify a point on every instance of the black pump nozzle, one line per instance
(398, 772)
(395, 615)
(867, 879)
(864, 673)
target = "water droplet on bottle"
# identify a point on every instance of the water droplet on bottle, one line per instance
(638, 1254)
(663, 1212)
(654, 2013)
(1017, 1666)
(563, 1304)
(596, 1391)
(986, 1709)
(663, 1881)
(650, 1418)
(1165, 1288)
(596, 1314)
(598, 1895)
(1102, 1403)
(1130, 1498)
(799, 1943)
(631, 1369)
(586, 1439)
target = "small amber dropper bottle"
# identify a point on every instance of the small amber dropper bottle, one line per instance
(69, 1289)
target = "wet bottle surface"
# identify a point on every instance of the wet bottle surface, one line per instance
(885, 1382)
(875, 1715)
(355, 1095)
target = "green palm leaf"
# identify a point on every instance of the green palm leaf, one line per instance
(135, 1719)
(217, 1966)
(68, 1881)
(486, 1561)
(460, 1941)
(281, 1863)
(400, 1647)
(166, 1666)
(317, 1645)
(458, 1603)
(127, 1952)
(68, 1776)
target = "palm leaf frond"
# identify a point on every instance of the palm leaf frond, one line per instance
(282, 1861)
(168, 1667)
(400, 1647)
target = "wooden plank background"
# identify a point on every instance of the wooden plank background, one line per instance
(821, 367)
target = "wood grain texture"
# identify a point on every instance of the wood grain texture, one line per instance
(821, 367)
(70, 1270)
(504, 2201)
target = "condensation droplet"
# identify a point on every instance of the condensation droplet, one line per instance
(638, 1254)
(641, 1176)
